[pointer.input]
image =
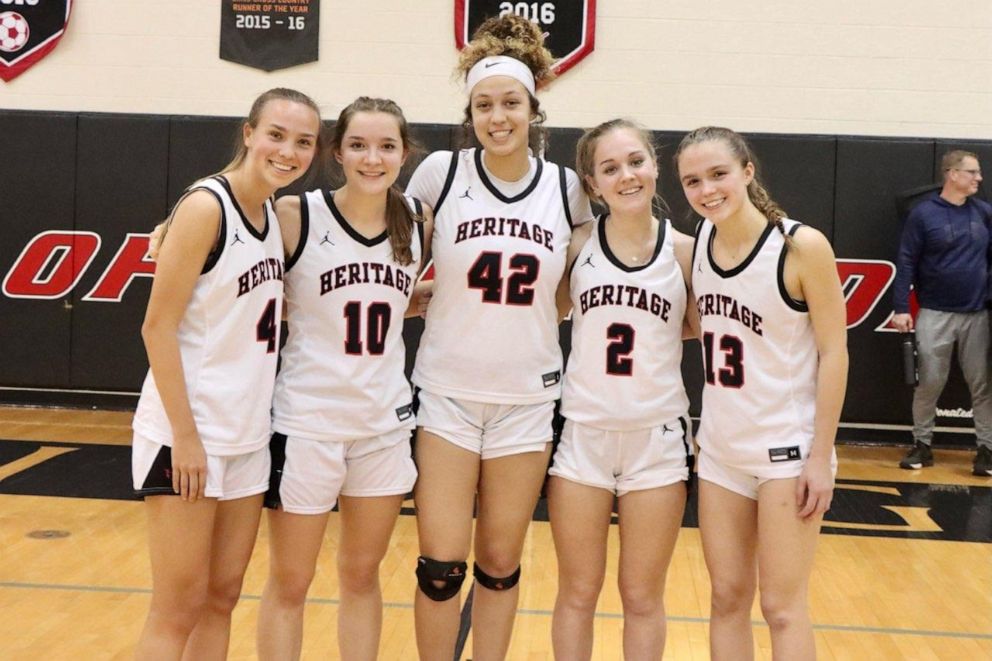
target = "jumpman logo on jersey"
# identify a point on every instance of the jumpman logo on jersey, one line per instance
(665, 429)
(326, 239)
(699, 267)
(466, 194)
(237, 239)
(588, 261)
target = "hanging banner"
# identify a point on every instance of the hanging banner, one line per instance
(29, 30)
(570, 25)
(269, 35)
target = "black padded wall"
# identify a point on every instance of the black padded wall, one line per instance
(108, 176)
(121, 189)
(37, 194)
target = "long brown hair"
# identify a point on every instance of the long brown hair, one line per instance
(742, 151)
(399, 216)
(522, 40)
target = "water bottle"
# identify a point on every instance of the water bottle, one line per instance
(910, 369)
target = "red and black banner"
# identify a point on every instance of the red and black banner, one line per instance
(270, 35)
(570, 25)
(29, 30)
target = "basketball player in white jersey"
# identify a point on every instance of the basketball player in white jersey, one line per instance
(775, 364)
(343, 408)
(200, 454)
(627, 432)
(489, 364)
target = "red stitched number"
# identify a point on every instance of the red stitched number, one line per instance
(618, 360)
(265, 329)
(378, 317)
(731, 375)
(486, 275)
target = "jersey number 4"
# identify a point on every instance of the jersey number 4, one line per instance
(377, 320)
(265, 329)
(731, 375)
(486, 275)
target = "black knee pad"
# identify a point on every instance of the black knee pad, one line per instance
(452, 574)
(491, 583)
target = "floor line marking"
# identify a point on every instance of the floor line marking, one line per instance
(522, 611)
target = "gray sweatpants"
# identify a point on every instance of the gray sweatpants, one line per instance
(936, 334)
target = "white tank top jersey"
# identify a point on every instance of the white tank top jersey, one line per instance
(491, 331)
(624, 372)
(342, 376)
(229, 336)
(759, 357)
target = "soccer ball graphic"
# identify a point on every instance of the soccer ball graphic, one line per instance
(14, 32)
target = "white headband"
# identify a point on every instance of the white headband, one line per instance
(500, 65)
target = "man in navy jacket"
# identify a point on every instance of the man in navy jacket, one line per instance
(944, 253)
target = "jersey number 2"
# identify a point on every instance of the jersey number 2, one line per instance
(618, 360)
(731, 375)
(376, 326)
(486, 274)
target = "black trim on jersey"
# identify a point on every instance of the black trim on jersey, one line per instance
(690, 459)
(158, 480)
(695, 244)
(277, 452)
(747, 260)
(215, 254)
(564, 195)
(448, 180)
(244, 219)
(496, 192)
(419, 206)
(659, 242)
(798, 306)
(304, 233)
(346, 226)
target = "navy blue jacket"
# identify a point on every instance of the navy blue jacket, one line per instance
(945, 252)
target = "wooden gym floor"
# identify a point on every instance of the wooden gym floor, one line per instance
(904, 567)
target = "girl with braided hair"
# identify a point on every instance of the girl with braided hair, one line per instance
(775, 366)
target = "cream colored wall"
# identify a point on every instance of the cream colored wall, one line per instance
(868, 67)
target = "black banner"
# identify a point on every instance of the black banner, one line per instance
(570, 24)
(29, 30)
(269, 35)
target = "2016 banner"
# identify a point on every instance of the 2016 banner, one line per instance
(29, 30)
(570, 24)
(269, 35)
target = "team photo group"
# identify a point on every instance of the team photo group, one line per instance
(512, 246)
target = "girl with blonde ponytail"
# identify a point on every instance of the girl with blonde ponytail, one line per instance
(775, 366)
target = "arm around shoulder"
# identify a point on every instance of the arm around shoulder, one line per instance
(289, 212)
(563, 297)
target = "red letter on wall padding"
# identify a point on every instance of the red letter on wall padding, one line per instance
(129, 263)
(51, 264)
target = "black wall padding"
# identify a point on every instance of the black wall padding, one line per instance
(121, 187)
(37, 191)
(114, 174)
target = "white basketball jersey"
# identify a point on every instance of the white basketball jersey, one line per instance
(759, 357)
(229, 336)
(491, 330)
(624, 372)
(342, 376)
